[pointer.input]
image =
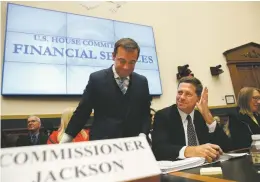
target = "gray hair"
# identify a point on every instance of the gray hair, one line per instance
(37, 118)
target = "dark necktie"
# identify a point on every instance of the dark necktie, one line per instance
(191, 133)
(34, 139)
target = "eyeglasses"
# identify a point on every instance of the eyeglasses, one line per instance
(256, 98)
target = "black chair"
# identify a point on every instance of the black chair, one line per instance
(48, 127)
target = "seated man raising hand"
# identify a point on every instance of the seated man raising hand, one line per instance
(180, 131)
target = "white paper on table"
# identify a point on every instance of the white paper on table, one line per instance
(227, 156)
(236, 154)
(172, 166)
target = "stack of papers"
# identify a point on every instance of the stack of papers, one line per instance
(172, 166)
(227, 156)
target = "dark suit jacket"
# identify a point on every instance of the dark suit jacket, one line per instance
(240, 132)
(25, 140)
(115, 115)
(168, 133)
(253, 126)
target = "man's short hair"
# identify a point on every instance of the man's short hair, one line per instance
(37, 118)
(194, 81)
(128, 44)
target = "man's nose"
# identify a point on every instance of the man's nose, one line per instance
(126, 66)
(182, 96)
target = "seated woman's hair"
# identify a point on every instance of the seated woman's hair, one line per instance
(65, 119)
(244, 97)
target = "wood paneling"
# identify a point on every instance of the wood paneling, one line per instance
(245, 53)
(248, 75)
(244, 66)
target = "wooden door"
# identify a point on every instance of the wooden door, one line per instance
(249, 75)
(244, 66)
(256, 72)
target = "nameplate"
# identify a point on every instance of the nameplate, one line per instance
(124, 159)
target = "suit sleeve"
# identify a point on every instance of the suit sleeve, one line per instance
(240, 133)
(83, 111)
(161, 144)
(146, 126)
(220, 138)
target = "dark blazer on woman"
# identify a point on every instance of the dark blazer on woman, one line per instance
(168, 133)
(116, 114)
(240, 132)
(252, 125)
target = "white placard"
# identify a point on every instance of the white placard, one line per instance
(123, 159)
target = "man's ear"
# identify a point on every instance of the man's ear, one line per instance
(198, 98)
(113, 56)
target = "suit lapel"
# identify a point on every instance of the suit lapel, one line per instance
(29, 139)
(132, 88)
(111, 85)
(200, 127)
(132, 85)
(177, 125)
(40, 139)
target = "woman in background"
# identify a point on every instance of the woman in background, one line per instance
(248, 102)
(246, 122)
(56, 136)
(258, 102)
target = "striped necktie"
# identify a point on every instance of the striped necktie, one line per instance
(122, 83)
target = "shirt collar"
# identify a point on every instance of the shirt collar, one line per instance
(37, 134)
(115, 73)
(184, 115)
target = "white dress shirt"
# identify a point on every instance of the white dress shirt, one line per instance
(116, 76)
(115, 73)
(183, 115)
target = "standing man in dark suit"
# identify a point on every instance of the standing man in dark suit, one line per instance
(120, 99)
(180, 131)
(34, 136)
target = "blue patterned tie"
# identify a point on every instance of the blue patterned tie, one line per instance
(34, 139)
(192, 141)
(122, 84)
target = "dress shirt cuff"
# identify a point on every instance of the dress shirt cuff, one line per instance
(142, 134)
(181, 153)
(66, 138)
(212, 126)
